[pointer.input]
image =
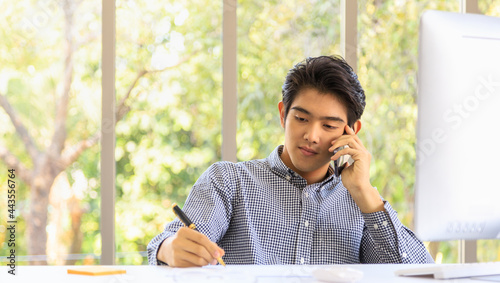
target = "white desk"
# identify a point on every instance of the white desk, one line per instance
(373, 273)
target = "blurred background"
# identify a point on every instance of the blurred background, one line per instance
(169, 109)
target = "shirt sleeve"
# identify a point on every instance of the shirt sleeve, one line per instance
(155, 243)
(208, 206)
(387, 240)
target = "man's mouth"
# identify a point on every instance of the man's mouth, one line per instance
(307, 151)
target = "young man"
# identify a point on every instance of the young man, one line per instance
(291, 208)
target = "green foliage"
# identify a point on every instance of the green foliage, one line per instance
(388, 42)
(173, 131)
(272, 37)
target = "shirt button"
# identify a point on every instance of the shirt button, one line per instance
(404, 255)
(375, 226)
(307, 195)
(384, 223)
(302, 261)
(288, 177)
(306, 223)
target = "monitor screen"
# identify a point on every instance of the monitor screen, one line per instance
(457, 186)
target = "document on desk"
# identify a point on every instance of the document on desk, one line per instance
(235, 273)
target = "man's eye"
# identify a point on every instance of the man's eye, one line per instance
(300, 119)
(330, 127)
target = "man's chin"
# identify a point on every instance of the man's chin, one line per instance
(307, 169)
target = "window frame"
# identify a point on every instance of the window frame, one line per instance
(349, 17)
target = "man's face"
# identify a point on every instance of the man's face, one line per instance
(313, 122)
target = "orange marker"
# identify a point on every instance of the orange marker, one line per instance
(95, 270)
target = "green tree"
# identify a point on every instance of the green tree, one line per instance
(168, 81)
(173, 132)
(47, 147)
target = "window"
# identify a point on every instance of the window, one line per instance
(169, 78)
(272, 37)
(168, 75)
(50, 90)
(388, 57)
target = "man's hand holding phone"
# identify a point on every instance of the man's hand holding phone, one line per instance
(356, 176)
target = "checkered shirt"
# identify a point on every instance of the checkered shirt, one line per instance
(262, 212)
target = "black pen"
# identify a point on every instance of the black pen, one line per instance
(183, 217)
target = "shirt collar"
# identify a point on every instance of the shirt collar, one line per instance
(279, 168)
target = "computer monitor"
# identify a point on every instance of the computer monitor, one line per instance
(457, 187)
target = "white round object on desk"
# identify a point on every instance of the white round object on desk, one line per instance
(338, 274)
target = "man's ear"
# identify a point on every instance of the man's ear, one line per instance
(357, 126)
(281, 108)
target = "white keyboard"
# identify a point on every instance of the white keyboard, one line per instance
(448, 271)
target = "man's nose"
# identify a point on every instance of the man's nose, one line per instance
(312, 134)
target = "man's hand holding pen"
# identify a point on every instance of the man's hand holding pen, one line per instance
(188, 247)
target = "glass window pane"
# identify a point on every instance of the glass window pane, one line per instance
(388, 57)
(169, 76)
(272, 37)
(50, 92)
(489, 7)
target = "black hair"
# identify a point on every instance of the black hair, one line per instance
(328, 75)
